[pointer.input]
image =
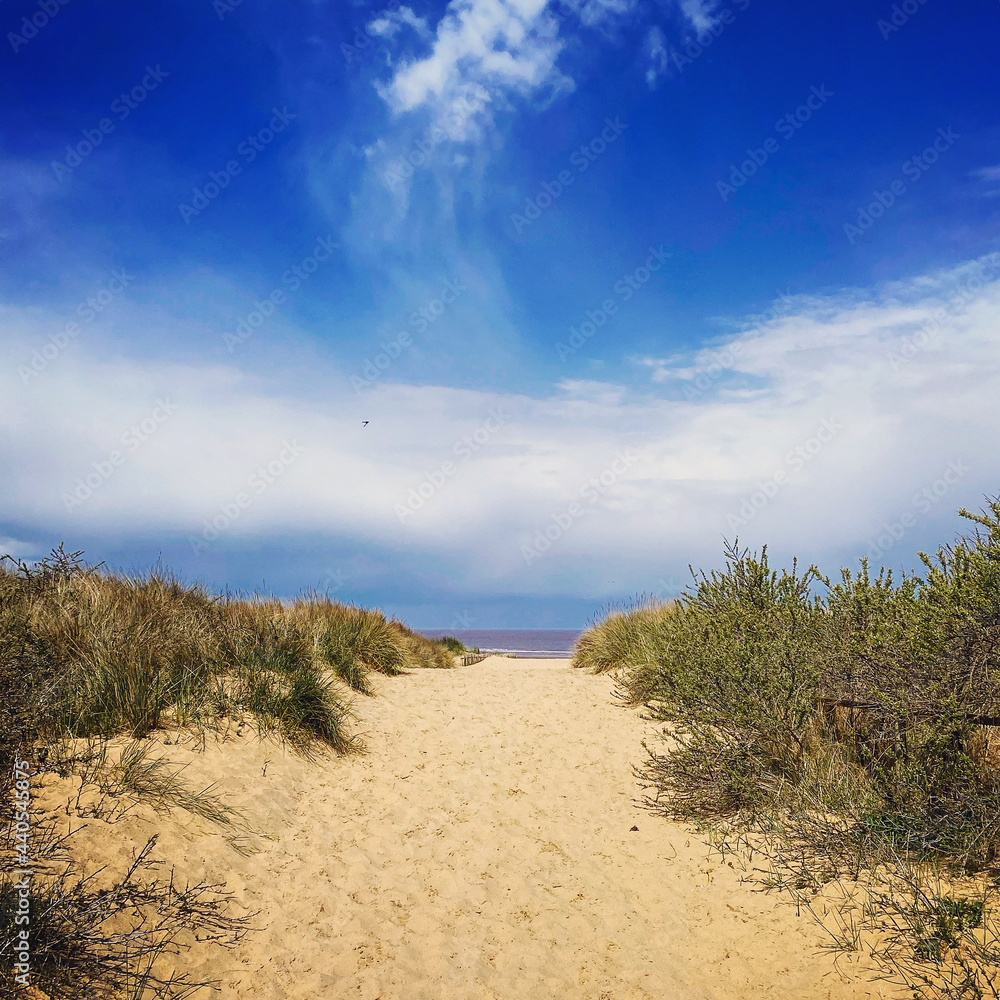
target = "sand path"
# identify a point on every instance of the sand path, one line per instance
(483, 848)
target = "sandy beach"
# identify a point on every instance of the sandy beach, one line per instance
(482, 847)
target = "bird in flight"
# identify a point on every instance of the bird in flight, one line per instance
(364, 423)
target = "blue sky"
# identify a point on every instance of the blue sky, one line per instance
(609, 281)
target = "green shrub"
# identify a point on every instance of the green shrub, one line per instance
(737, 680)
(844, 728)
(759, 680)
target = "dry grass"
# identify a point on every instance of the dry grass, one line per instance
(89, 942)
(124, 654)
(88, 657)
(632, 643)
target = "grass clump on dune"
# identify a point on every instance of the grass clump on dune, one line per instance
(630, 640)
(88, 657)
(356, 643)
(112, 654)
(848, 729)
(424, 652)
(454, 646)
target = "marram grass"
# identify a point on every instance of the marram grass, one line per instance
(100, 654)
(88, 658)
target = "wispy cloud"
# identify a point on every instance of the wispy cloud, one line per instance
(991, 178)
(390, 22)
(906, 373)
(702, 14)
(596, 12)
(656, 54)
(482, 50)
(488, 51)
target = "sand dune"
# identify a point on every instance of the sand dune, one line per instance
(482, 848)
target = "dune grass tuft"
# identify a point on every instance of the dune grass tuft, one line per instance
(454, 646)
(91, 660)
(113, 654)
(424, 652)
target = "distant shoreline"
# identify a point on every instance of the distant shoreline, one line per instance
(556, 643)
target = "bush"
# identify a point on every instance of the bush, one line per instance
(842, 733)
(737, 678)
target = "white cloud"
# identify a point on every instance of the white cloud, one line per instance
(700, 14)
(17, 550)
(991, 175)
(656, 53)
(488, 50)
(902, 405)
(482, 57)
(390, 22)
(988, 173)
(480, 46)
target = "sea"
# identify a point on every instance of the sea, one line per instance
(523, 642)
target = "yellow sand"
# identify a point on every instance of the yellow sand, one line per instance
(481, 848)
